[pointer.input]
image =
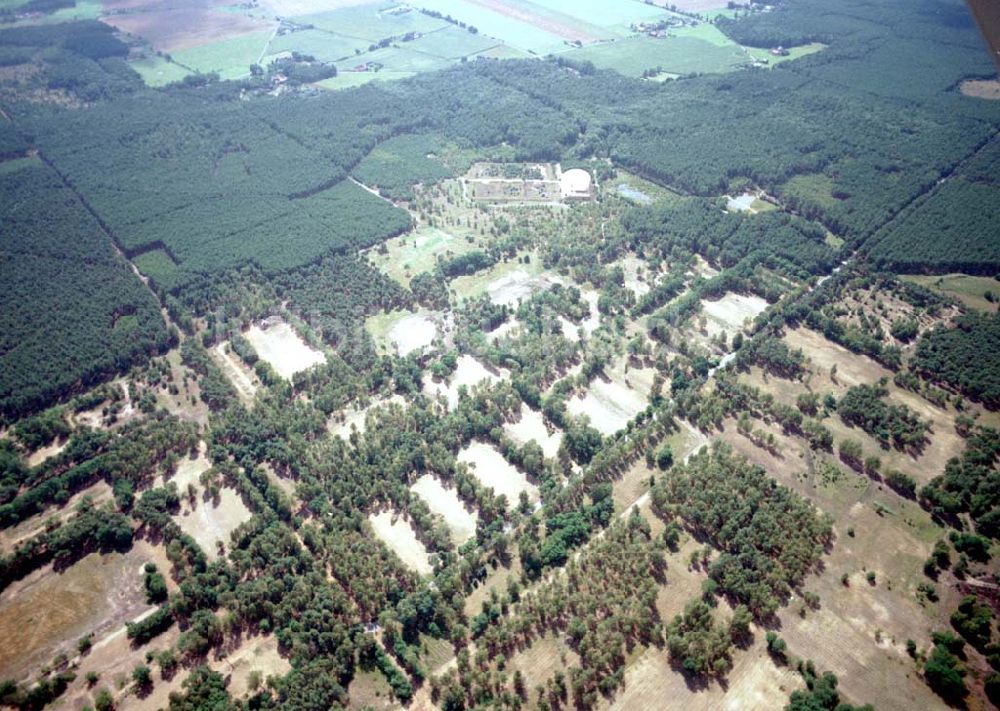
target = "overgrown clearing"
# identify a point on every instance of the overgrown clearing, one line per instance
(970, 290)
(210, 519)
(469, 372)
(283, 348)
(398, 535)
(408, 255)
(492, 470)
(731, 313)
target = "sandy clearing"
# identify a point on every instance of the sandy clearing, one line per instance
(469, 372)
(284, 349)
(636, 272)
(492, 470)
(255, 654)
(852, 368)
(400, 537)
(515, 286)
(236, 372)
(46, 452)
(413, 333)
(209, 524)
(531, 427)
(445, 502)
(740, 203)
(754, 682)
(981, 88)
(611, 403)
(47, 612)
(730, 312)
(189, 470)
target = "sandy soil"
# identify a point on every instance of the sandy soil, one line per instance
(530, 427)
(636, 273)
(43, 453)
(492, 470)
(9, 537)
(209, 524)
(445, 503)
(241, 377)
(981, 88)
(284, 349)
(730, 312)
(413, 333)
(515, 286)
(47, 612)
(469, 372)
(611, 403)
(753, 683)
(399, 536)
(189, 470)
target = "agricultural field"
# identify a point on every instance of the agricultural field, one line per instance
(315, 392)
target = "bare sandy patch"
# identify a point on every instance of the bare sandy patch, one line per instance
(254, 654)
(236, 372)
(469, 372)
(612, 401)
(445, 503)
(413, 333)
(211, 523)
(532, 427)
(981, 88)
(492, 470)
(515, 286)
(731, 312)
(284, 349)
(401, 539)
(754, 682)
(852, 369)
(189, 469)
(47, 612)
(46, 452)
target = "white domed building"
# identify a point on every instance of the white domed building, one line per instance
(576, 184)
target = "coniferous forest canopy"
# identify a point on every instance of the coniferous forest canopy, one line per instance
(324, 396)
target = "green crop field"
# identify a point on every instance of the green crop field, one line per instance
(323, 45)
(677, 55)
(373, 22)
(403, 59)
(452, 43)
(349, 80)
(230, 58)
(157, 71)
